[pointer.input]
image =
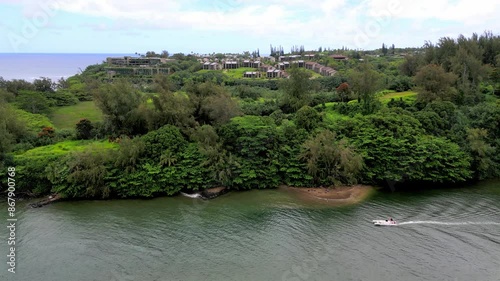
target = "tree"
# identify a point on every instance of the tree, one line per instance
(433, 83)
(307, 118)
(84, 129)
(12, 130)
(33, 102)
(296, 90)
(344, 91)
(410, 65)
(445, 50)
(384, 49)
(44, 85)
(62, 84)
(395, 149)
(169, 108)
(330, 161)
(365, 82)
(482, 153)
(220, 108)
(47, 132)
(470, 71)
(15, 86)
(166, 138)
(198, 98)
(253, 141)
(88, 171)
(119, 102)
(6, 96)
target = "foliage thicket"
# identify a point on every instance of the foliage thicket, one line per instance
(193, 130)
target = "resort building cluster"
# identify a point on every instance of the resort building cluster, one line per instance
(127, 65)
(268, 67)
(276, 68)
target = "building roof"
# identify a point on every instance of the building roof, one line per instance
(338, 57)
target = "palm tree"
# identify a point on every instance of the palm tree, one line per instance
(168, 158)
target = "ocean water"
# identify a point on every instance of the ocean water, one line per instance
(53, 66)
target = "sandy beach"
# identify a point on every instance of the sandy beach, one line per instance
(341, 195)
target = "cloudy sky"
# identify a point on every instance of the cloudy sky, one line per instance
(206, 26)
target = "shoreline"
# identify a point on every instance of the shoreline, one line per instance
(340, 195)
(336, 196)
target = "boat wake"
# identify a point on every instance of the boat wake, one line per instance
(450, 223)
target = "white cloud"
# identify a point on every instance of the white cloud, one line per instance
(324, 22)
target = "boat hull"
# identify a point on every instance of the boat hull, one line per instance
(384, 223)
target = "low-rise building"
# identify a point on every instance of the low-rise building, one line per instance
(215, 66)
(338, 57)
(274, 73)
(284, 65)
(253, 74)
(230, 65)
(130, 61)
(299, 63)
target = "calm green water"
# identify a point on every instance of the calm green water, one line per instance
(262, 235)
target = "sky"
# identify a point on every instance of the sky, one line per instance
(208, 26)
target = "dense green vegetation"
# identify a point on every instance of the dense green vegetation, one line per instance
(429, 116)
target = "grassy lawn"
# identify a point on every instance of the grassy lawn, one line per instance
(67, 116)
(238, 73)
(35, 122)
(407, 96)
(65, 147)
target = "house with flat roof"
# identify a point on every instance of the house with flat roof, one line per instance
(274, 73)
(215, 66)
(230, 65)
(130, 61)
(251, 74)
(256, 64)
(321, 69)
(206, 65)
(251, 63)
(284, 65)
(338, 57)
(247, 63)
(299, 63)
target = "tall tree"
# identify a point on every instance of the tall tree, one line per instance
(384, 49)
(434, 83)
(365, 82)
(169, 108)
(482, 154)
(120, 102)
(410, 65)
(331, 161)
(44, 84)
(297, 90)
(467, 65)
(34, 102)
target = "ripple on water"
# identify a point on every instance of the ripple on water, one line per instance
(444, 235)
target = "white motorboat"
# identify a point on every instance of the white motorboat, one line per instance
(385, 222)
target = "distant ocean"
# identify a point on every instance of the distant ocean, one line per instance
(54, 66)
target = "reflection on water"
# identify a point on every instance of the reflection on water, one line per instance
(264, 235)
